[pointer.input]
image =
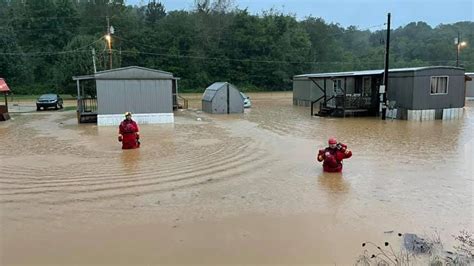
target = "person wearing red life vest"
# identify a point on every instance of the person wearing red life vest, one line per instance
(129, 133)
(333, 155)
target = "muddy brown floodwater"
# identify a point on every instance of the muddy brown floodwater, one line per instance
(242, 189)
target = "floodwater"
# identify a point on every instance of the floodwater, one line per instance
(241, 189)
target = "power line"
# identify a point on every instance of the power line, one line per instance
(44, 17)
(266, 61)
(78, 50)
(83, 50)
(51, 29)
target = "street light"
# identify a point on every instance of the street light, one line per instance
(459, 45)
(109, 39)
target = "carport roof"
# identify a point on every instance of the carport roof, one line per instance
(211, 91)
(368, 72)
(3, 86)
(131, 72)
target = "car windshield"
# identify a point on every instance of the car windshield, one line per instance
(243, 95)
(48, 97)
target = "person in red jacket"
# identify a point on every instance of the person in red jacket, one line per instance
(129, 133)
(333, 155)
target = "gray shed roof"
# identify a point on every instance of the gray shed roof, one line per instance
(211, 91)
(370, 72)
(131, 72)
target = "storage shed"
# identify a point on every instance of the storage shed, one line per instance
(222, 98)
(148, 93)
(421, 93)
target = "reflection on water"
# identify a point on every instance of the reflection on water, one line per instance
(333, 183)
(130, 160)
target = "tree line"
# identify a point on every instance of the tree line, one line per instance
(43, 43)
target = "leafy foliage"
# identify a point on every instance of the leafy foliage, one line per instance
(43, 43)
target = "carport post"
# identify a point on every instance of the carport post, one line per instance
(6, 101)
(78, 96)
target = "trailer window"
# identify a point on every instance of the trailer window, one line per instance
(439, 85)
(337, 84)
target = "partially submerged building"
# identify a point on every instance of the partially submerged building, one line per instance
(151, 95)
(222, 98)
(422, 93)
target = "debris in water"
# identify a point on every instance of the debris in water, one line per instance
(416, 244)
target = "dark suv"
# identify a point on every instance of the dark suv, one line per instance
(49, 100)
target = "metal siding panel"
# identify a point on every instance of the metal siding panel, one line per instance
(315, 91)
(112, 97)
(219, 103)
(454, 98)
(101, 96)
(166, 98)
(148, 96)
(132, 94)
(400, 90)
(301, 89)
(236, 101)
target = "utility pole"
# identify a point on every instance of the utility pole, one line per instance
(109, 40)
(93, 60)
(457, 41)
(459, 44)
(385, 74)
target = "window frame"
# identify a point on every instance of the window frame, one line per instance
(447, 85)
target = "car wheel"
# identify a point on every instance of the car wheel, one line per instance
(60, 106)
(38, 108)
(56, 107)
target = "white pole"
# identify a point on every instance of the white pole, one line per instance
(93, 60)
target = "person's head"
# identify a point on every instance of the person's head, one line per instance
(332, 142)
(128, 116)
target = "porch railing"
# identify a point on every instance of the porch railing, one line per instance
(185, 102)
(87, 105)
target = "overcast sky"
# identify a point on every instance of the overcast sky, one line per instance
(361, 13)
